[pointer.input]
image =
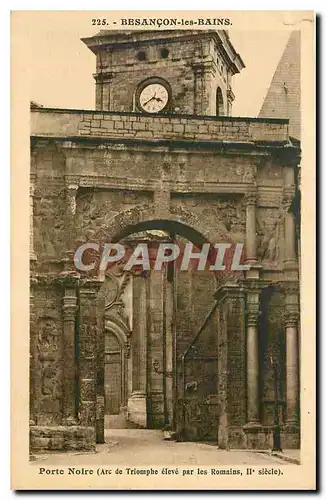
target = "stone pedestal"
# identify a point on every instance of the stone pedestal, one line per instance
(62, 438)
(231, 390)
(137, 409)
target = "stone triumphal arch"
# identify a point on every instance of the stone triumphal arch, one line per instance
(211, 356)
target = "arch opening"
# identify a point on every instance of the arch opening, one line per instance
(168, 226)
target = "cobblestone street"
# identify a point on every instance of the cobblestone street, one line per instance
(147, 447)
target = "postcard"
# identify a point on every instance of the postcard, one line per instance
(163, 242)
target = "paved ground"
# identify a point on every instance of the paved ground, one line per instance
(147, 447)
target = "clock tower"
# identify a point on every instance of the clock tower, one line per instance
(175, 71)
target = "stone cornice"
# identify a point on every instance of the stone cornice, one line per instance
(64, 279)
(101, 114)
(103, 77)
(229, 290)
(289, 287)
(257, 285)
(224, 146)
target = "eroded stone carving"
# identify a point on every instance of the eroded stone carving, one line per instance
(268, 234)
(247, 173)
(115, 310)
(48, 346)
(114, 288)
(94, 210)
(228, 217)
(49, 223)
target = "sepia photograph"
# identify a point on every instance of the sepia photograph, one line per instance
(165, 329)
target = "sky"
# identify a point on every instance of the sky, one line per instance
(61, 66)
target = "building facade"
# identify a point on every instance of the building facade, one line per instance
(210, 355)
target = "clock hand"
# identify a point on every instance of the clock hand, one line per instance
(149, 100)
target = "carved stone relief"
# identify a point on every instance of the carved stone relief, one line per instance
(95, 209)
(49, 363)
(225, 217)
(117, 310)
(268, 234)
(49, 223)
(48, 354)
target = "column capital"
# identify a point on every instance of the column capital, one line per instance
(68, 279)
(254, 285)
(253, 313)
(250, 197)
(289, 287)
(103, 77)
(70, 304)
(253, 303)
(72, 188)
(228, 290)
(253, 318)
(89, 287)
(291, 317)
(288, 196)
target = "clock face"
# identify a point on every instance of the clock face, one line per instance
(153, 98)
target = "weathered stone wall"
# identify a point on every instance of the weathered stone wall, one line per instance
(65, 123)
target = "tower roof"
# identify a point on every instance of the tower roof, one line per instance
(283, 96)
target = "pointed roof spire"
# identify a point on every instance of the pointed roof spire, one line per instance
(283, 96)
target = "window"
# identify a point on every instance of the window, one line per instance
(219, 102)
(165, 53)
(141, 56)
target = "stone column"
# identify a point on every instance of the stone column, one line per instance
(157, 347)
(103, 99)
(251, 245)
(292, 353)
(87, 341)
(252, 358)
(203, 100)
(71, 195)
(32, 255)
(137, 403)
(290, 256)
(169, 328)
(69, 365)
